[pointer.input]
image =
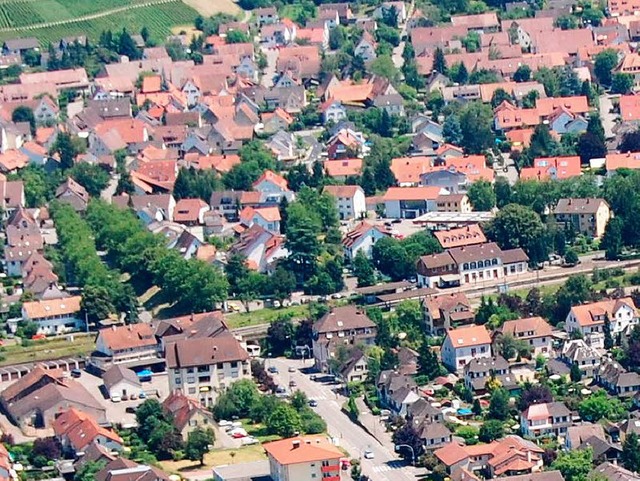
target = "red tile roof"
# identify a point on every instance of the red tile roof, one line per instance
(343, 168)
(630, 108)
(412, 193)
(303, 449)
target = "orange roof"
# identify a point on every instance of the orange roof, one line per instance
(473, 166)
(407, 170)
(12, 160)
(521, 328)
(151, 84)
(451, 453)
(130, 130)
(552, 168)
(279, 112)
(508, 116)
(412, 193)
(132, 336)
(628, 160)
(349, 92)
(343, 168)
(462, 236)
(449, 147)
(519, 138)
(270, 214)
(162, 172)
(575, 105)
(188, 210)
(303, 449)
(53, 307)
(629, 108)
(312, 35)
(221, 163)
(468, 336)
(44, 133)
(270, 176)
(81, 429)
(592, 314)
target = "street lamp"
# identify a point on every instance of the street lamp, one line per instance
(413, 453)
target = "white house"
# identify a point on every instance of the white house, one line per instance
(464, 344)
(366, 48)
(266, 217)
(333, 111)
(121, 381)
(134, 343)
(362, 238)
(589, 319)
(54, 316)
(350, 200)
(274, 186)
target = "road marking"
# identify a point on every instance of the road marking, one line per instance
(317, 398)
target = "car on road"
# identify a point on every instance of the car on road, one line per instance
(368, 454)
(76, 373)
(291, 369)
(292, 383)
(116, 399)
(313, 403)
(273, 370)
(142, 395)
(130, 410)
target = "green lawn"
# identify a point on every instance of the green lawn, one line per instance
(47, 350)
(264, 316)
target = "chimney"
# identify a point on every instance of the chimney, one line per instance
(528, 456)
(296, 443)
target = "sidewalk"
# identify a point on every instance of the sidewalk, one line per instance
(373, 425)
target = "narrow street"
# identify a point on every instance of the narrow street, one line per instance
(386, 465)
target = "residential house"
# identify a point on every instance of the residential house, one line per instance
(266, 217)
(54, 316)
(470, 264)
(589, 319)
(266, 16)
(190, 212)
(397, 391)
(20, 46)
(552, 168)
(478, 371)
(134, 344)
(203, 367)
(188, 414)
(500, 458)
(483, 22)
(463, 344)
(304, 458)
(276, 121)
(36, 398)
(627, 160)
(274, 186)
(76, 430)
(453, 203)
(123, 469)
(362, 239)
(263, 249)
(355, 369)
(342, 326)
(350, 200)
(630, 106)
(616, 379)
(366, 48)
(563, 121)
(630, 64)
(346, 144)
(72, 193)
(341, 170)
(121, 381)
(433, 435)
(461, 236)
(345, 15)
(586, 216)
(332, 111)
(231, 202)
(545, 419)
(410, 202)
(586, 357)
(534, 331)
(445, 312)
(613, 471)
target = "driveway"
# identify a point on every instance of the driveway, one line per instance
(608, 119)
(386, 465)
(269, 72)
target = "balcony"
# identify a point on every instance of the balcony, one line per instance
(330, 469)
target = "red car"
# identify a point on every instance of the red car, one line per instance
(38, 337)
(238, 435)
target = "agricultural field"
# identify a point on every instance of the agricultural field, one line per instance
(80, 17)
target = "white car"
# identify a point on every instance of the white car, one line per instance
(224, 422)
(368, 454)
(116, 399)
(248, 441)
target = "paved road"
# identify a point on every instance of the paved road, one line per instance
(385, 466)
(511, 174)
(269, 72)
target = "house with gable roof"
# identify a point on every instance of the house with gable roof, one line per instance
(266, 217)
(132, 345)
(447, 311)
(362, 238)
(589, 319)
(273, 186)
(463, 344)
(459, 237)
(345, 325)
(76, 430)
(545, 419)
(304, 458)
(534, 331)
(54, 316)
(553, 168)
(350, 200)
(587, 358)
(263, 249)
(397, 391)
(586, 216)
(188, 414)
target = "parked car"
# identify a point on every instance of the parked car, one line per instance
(273, 370)
(292, 383)
(76, 373)
(248, 440)
(313, 403)
(130, 410)
(143, 395)
(223, 422)
(368, 454)
(116, 399)
(291, 369)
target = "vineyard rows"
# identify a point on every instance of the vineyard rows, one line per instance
(159, 19)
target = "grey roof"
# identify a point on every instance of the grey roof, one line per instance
(343, 318)
(433, 431)
(578, 206)
(599, 446)
(21, 43)
(495, 363)
(539, 476)
(422, 409)
(119, 373)
(614, 472)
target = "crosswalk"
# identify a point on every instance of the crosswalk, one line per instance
(390, 466)
(317, 398)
